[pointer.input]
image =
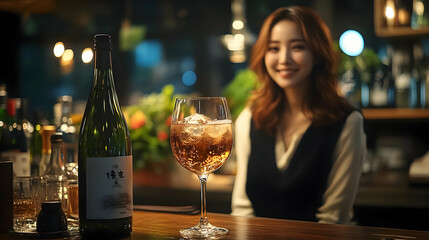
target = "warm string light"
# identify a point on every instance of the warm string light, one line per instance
(234, 42)
(59, 49)
(389, 12)
(67, 55)
(67, 61)
(237, 24)
(239, 37)
(87, 55)
(419, 7)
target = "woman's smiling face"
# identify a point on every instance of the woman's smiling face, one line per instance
(288, 59)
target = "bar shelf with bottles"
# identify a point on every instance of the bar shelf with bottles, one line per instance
(398, 26)
(395, 113)
(398, 89)
(404, 25)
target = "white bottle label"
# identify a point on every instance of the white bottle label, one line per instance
(109, 187)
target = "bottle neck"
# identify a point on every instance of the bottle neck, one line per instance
(56, 164)
(103, 59)
(103, 68)
(2, 115)
(46, 139)
(11, 112)
(3, 108)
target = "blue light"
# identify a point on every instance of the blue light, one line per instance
(148, 53)
(351, 43)
(189, 78)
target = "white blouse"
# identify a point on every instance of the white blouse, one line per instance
(343, 180)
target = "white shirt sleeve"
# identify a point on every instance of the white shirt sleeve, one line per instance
(343, 180)
(241, 205)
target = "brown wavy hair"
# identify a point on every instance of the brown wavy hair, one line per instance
(323, 104)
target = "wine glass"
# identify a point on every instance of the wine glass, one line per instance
(201, 141)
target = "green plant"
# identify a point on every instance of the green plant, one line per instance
(365, 63)
(238, 91)
(149, 123)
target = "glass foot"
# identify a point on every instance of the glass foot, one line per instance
(204, 231)
(25, 226)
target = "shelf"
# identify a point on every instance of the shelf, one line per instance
(393, 32)
(401, 32)
(395, 113)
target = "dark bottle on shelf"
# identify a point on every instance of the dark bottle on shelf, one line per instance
(46, 131)
(3, 116)
(379, 88)
(16, 137)
(104, 156)
(36, 143)
(66, 126)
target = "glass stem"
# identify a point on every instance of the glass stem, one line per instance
(203, 181)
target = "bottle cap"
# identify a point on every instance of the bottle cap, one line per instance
(57, 137)
(51, 222)
(65, 98)
(102, 42)
(51, 205)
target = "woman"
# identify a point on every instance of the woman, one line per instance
(300, 146)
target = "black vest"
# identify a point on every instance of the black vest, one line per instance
(297, 192)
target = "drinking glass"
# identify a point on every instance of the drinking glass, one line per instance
(73, 206)
(73, 199)
(26, 203)
(201, 141)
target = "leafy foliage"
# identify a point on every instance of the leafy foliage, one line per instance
(149, 123)
(239, 90)
(365, 63)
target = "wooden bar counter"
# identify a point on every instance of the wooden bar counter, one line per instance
(156, 225)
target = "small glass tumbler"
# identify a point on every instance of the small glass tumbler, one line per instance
(73, 199)
(73, 206)
(26, 203)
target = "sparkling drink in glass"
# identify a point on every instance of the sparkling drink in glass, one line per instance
(209, 152)
(201, 140)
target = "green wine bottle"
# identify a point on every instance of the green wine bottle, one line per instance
(104, 156)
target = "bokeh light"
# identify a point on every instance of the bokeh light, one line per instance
(59, 49)
(419, 7)
(87, 55)
(148, 53)
(68, 55)
(351, 43)
(237, 24)
(390, 12)
(189, 78)
(67, 62)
